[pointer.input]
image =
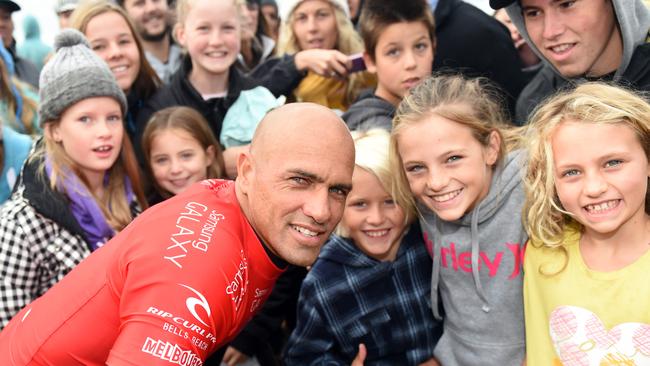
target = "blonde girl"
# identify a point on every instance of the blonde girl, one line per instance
(449, 145)
(585, 286)
(80, 185)
(179, 150)
(325, 25)
(208, 79)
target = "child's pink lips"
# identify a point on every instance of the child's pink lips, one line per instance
(411, 81)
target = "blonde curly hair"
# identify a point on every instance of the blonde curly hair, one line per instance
(591, 103)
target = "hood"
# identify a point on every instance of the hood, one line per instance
(31, 28)
(633, 19)
(506, 179)
(369, 111)
(343, 250)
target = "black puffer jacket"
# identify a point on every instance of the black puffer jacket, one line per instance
(180, 92)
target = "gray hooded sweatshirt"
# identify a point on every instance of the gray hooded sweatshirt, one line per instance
(477, 263)
(633, 18)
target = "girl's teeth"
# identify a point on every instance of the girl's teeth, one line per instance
(446, 197)
(602, 206)
(304, 231)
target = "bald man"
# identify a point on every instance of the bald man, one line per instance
(187, 274)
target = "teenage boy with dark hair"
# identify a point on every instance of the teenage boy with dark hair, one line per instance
(581, 40)
(399, 38)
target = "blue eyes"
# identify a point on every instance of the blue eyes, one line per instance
(613, 163)
(570, 173)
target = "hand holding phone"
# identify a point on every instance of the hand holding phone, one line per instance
(357, 63)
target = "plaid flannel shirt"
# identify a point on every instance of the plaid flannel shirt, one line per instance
(349, 298)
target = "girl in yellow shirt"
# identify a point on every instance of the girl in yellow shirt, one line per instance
(586, 293)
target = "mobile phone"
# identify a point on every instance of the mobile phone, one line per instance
(357, 63)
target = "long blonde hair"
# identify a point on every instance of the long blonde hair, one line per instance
(114, 203)
(474, 103)
(348, 42)
(591, 103)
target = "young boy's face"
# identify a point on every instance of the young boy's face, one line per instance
(403, 57)
(577, 37)
(373, 219)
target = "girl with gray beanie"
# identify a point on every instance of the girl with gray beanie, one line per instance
(80, 184)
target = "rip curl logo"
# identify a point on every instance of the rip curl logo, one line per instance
(193, 302)
(170, 352)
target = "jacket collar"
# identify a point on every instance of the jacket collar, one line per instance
(236, 82)
(46, 201)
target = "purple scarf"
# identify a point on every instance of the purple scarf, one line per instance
(84, 207)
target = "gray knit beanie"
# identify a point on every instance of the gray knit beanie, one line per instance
(74, 73)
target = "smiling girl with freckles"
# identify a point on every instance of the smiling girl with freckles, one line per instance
(587, 214)
(449, 146)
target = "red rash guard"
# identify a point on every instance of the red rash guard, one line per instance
(174, 286)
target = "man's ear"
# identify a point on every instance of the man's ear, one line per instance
(370, 63)
(245, 171)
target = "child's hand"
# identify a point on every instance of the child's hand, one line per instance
(328, 63)
(233, 357)
(361, 356)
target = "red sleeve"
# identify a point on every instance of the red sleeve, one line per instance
(173, 306)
